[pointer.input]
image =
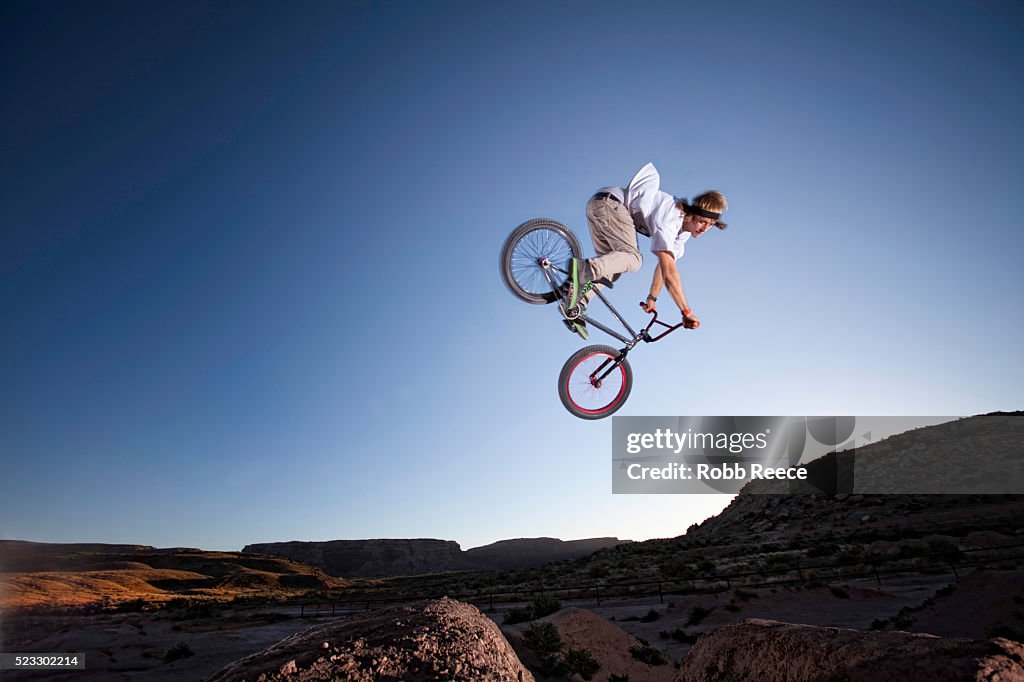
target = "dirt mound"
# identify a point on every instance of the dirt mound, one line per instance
(440, 640)
(609, 644)
(769, 650)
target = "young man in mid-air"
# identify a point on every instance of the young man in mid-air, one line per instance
(616, 215)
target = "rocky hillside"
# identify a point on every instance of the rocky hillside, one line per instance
(968, 453)
(777, 528)
(382, 558)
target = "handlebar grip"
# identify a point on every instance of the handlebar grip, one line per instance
(653, 319)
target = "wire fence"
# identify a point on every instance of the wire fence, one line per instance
(794, 572)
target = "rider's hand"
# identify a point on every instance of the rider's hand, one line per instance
(690, 321)
(648, 306)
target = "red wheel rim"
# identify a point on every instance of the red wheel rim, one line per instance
(583, 395)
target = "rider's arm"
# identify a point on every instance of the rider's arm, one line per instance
(657, 282)
(669, 272)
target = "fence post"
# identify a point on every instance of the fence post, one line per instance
(953, 566)
(874, 566)
(302, 610)
(661, 597)
(597, 592)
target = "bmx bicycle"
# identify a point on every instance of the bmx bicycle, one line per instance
(596, 380)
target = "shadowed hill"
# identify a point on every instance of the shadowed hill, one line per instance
(967, 453)
(530, 552)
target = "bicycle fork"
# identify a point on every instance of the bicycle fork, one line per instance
(596, 380)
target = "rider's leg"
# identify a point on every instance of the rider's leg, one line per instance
(614, 237)
(587, 297)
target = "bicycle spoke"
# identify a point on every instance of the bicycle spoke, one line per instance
(524, 261)
(592, 398)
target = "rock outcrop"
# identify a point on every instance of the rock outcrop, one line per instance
(768, 650)
(441, 640)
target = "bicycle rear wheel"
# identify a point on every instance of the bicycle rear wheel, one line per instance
(583, 390)
(528, 249)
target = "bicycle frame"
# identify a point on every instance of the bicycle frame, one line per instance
(643, 335)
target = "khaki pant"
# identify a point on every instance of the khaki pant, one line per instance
(614, 237)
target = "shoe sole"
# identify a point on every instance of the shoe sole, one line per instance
(574, 276)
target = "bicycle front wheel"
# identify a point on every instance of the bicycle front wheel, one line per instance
(533, 247)
(591, 386)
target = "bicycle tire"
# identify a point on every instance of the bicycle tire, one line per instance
(538, 238)
(577, 393)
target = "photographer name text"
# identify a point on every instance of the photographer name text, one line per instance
(715, 472)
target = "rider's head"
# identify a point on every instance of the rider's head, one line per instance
(703, 212)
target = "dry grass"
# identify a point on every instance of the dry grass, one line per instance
(40, 576)
(70, 589)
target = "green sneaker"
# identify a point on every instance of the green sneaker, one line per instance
(580, 280)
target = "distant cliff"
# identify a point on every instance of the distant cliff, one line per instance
(530, 552)
(372, 558)
(382, 558)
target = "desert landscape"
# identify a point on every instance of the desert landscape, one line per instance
(777, 586)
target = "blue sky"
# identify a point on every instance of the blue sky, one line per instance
(249, 255)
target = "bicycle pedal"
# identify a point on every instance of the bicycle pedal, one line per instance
(573, 313)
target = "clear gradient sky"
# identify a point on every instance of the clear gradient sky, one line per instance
(249, 281)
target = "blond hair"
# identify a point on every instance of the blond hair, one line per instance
(712, 200)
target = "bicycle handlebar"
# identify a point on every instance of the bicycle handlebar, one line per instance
(654, 320)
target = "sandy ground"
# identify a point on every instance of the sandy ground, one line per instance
(131, 646)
